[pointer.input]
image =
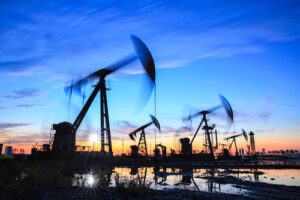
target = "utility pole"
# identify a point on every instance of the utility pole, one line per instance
(122, 146)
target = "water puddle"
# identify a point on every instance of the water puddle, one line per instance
(188, 179)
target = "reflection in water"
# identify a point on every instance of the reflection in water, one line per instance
(211, 185)
(94, 178)
(186, 178)
(256, 174)
(90, 180)
(160, 177)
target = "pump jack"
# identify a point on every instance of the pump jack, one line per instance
(163, 150)
(66, 130)
(142, 145)
(204, 113)
(234, 141)
(211, 133)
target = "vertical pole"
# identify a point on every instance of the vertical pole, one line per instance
(236, 149)
(145, 144)
(102, 113)
(208, 137)
(105, 127)
(122, 146)
(155, 113)
(217, 145)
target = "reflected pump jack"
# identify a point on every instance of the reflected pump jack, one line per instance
(144, 55)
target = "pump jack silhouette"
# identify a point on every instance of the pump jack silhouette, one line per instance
(144, 55)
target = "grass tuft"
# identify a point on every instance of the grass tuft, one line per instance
(137, 185)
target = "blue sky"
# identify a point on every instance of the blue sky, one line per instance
(247, 51)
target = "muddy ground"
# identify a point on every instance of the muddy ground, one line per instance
(256, 191)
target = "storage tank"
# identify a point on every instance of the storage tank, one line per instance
(134, 150)
(156, 152)
(252, 143)
(8, 150)
(186, 147)
(64, 137)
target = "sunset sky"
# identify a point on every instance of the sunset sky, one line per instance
(247, 51)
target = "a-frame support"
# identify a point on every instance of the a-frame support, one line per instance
(236, 148)
(142, 146)
(207, 133)
(105, 127)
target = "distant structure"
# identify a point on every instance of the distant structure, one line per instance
(163, 150)
(1, 146)
(134, 150)
(234, 141)
(142, 145)
(64, 138)
(8, 150)
(252, 143)
(186, 146)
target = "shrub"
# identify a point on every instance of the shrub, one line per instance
(136, 185)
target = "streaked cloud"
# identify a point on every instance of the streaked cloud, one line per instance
(12, 125)
(25, 93)
(19, 67)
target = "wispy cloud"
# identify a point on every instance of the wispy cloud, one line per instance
(12, 125)
(25, 93)
(251, 116)
(25, 106)
(24, 139)
(19, 67)
(173, 64)
(124, 127)
(100, 33)
(270, 130)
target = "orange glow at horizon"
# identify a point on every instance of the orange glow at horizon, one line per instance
(277, 143)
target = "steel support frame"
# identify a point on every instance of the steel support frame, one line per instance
(206, 133)
(142, 146)
(105, 127)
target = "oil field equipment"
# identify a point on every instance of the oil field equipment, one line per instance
(8, 150)
(252, 143)
(225, 104)
(234, 140)
(225, 152)
(142, 145)
(163, 150)
(212, 132)
(223, 145)
(156, 152)
(64, 138)
(186, 146)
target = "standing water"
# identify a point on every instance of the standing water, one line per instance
(189, 179)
